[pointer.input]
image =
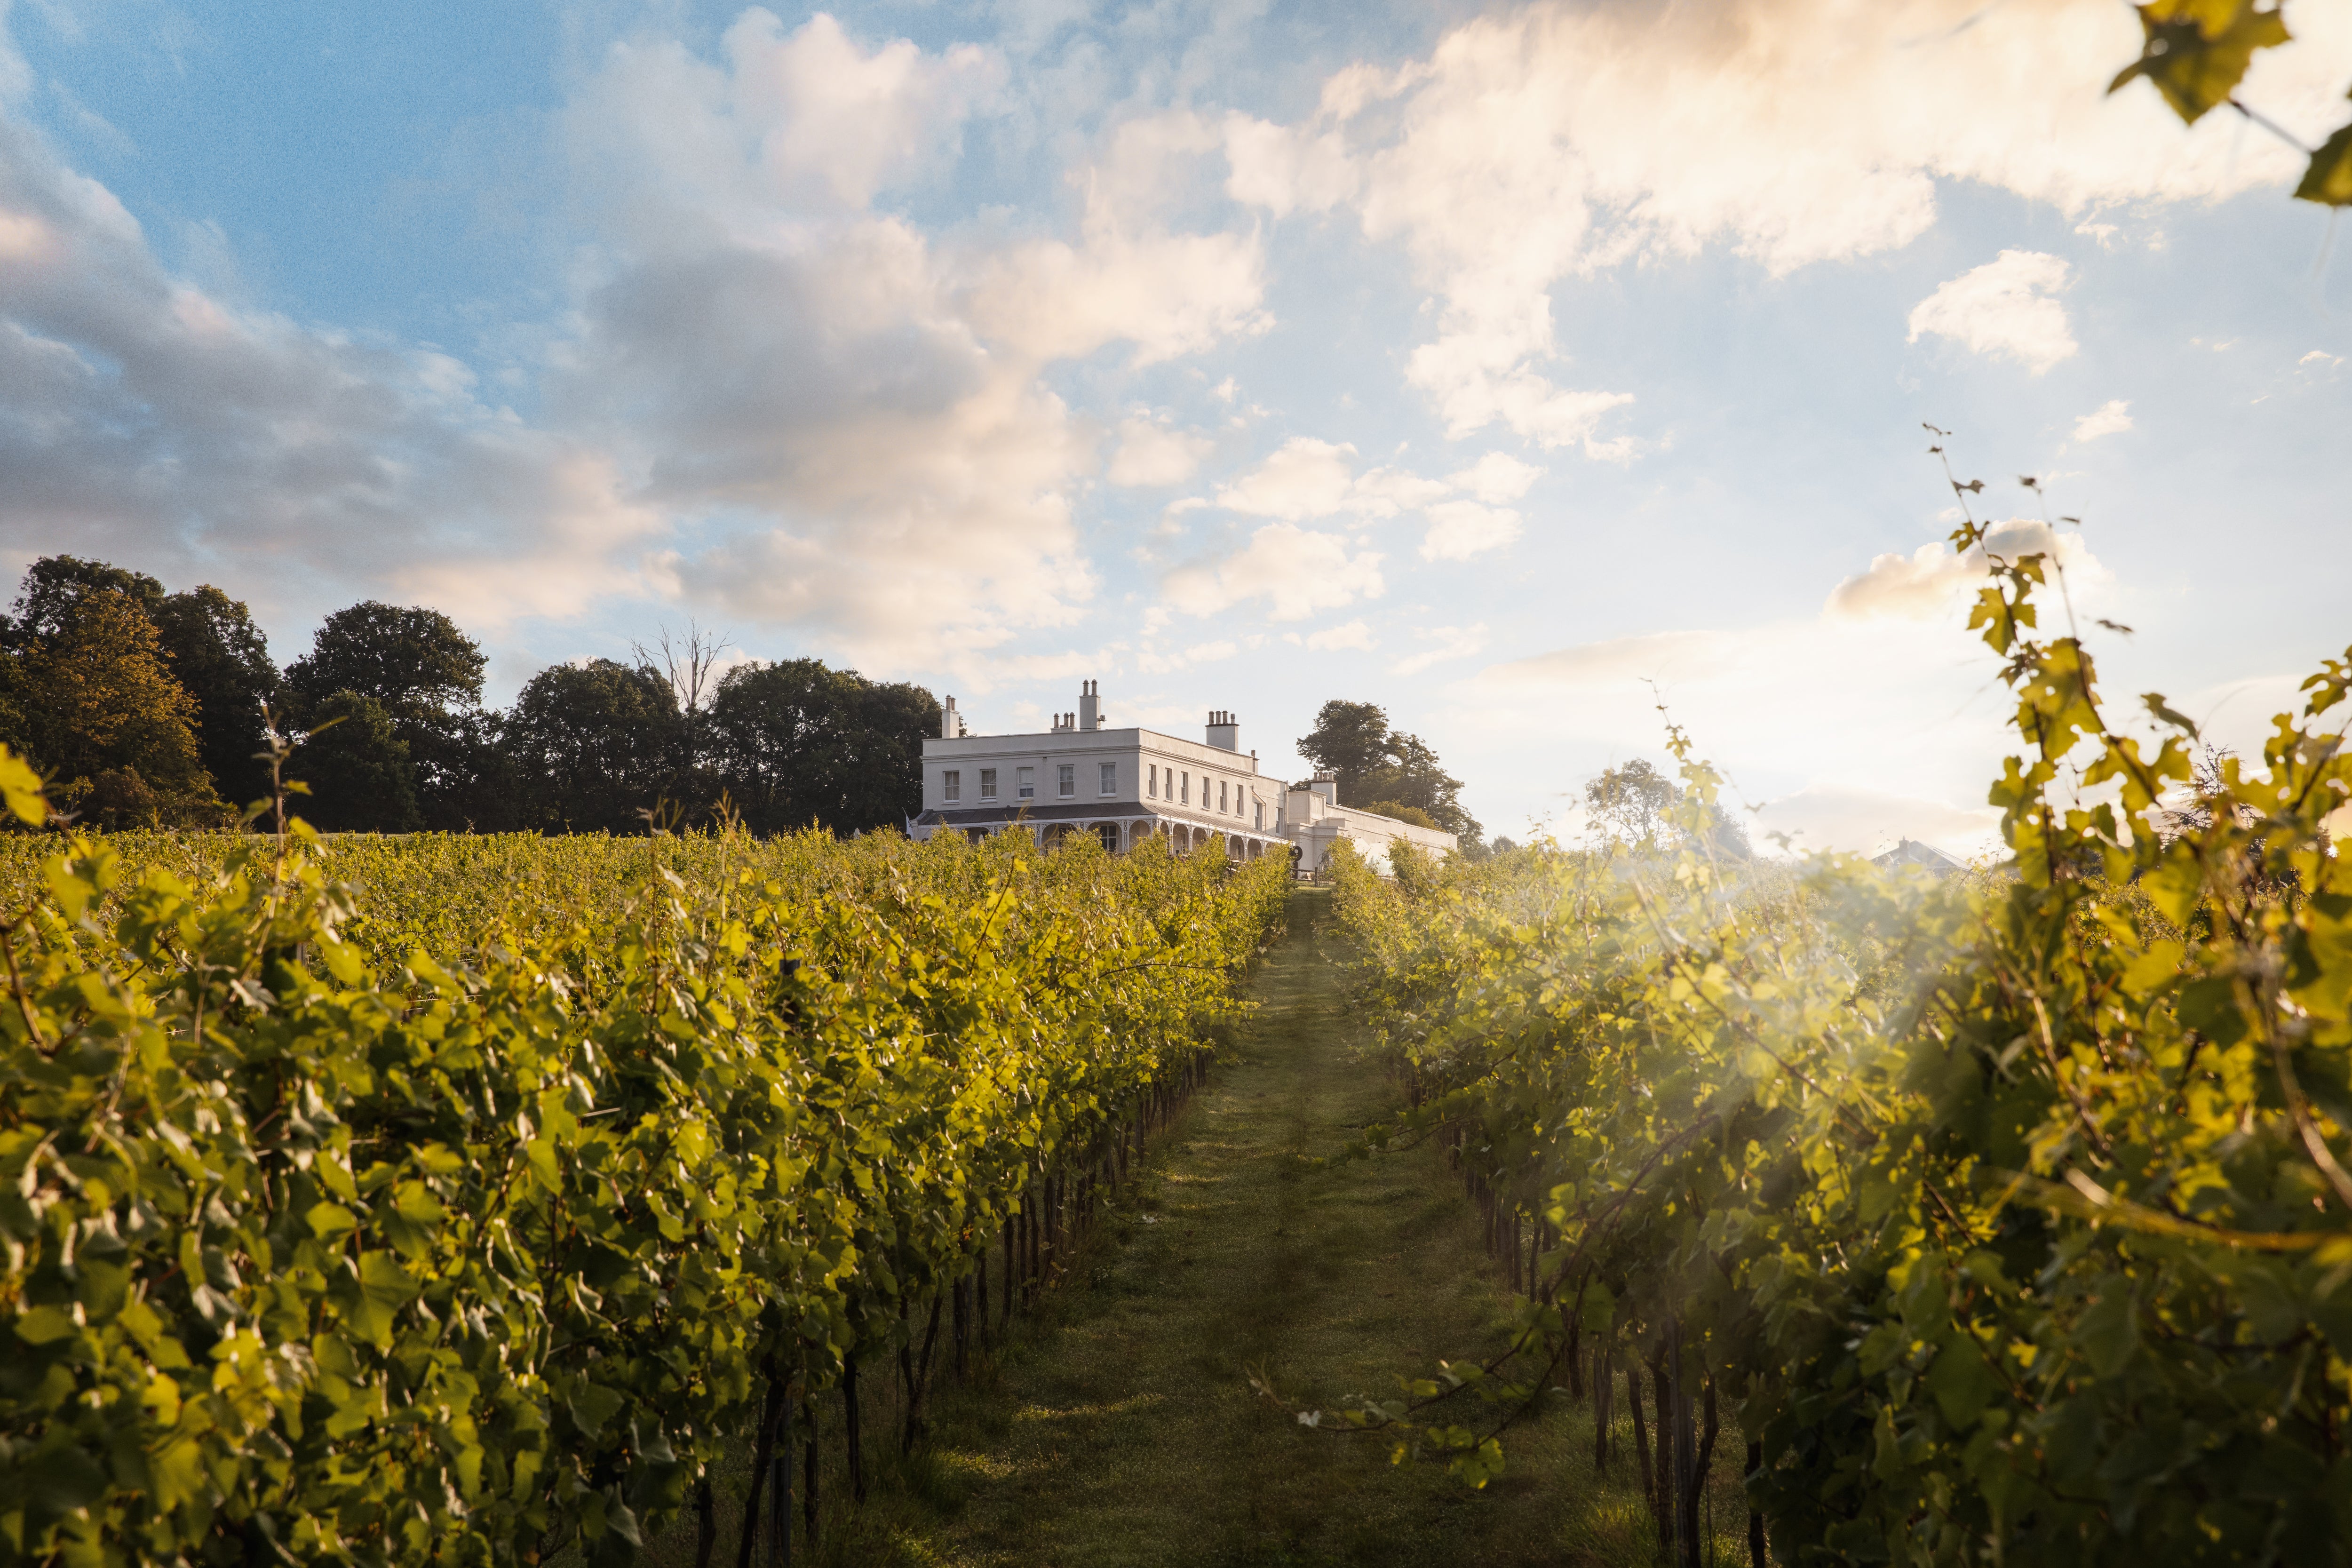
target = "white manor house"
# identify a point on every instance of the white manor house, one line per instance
(1125, 785)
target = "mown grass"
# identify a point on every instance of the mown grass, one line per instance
(1117, 1427)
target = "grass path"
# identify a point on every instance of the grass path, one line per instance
(1118, 1427)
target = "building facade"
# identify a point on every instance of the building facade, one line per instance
(1125, 785)
(1317, 821)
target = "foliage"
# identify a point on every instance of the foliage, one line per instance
(1368, 761)
(2197, 51)
(318, 1253)
(55, 587)
(92, 700)
(220, 655)
(1631, 800)
(597, 746)
(2010, 1209)
(414, 662)
(1402, 812)
(796, 743)
(355, 767)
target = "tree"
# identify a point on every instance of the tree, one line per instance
(55, 585)
(91, 698)
(796, 743)
(1630, 802)
(358, 770)
(1403, 813)
(1350, 741)
(1368, 761)
(412, 660)
(595, 746)
(222, 658)
(426, 675)
(883, 783)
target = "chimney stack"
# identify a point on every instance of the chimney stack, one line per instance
(1327, 787)
(1090, 706)
(1225, 730)
(950, 721)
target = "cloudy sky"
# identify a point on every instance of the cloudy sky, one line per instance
(1518, 367)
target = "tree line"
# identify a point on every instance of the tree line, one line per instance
(148, 708)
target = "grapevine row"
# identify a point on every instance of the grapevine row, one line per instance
(323, 1247)
(2005, 1219)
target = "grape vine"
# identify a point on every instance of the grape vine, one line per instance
(333, 1233)
(2005, 1216)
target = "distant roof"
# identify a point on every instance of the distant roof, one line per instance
(1911, 852)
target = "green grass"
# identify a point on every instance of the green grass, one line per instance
(1117, 1428)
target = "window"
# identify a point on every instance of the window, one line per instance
(1065, 780)
(988, 784)
(1152, 781)
(1220, 796)
(1111, 778)
(952, 785)
(1185, 781)
(1024, 781)
(1260, 823)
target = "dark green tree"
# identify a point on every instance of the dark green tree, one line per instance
(426, 674)
(358, 769)
(222, 658)
(1350, 741)
(595, 746)
(55, 585)
(413, 661)
(796, 743)
(1369, 762)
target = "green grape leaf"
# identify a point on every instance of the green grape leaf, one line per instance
(2195, 52)
(2328, 178)
(1962, 1381)
(22, 788)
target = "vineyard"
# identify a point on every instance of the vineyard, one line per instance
(458, 1200)
(1999, 1218)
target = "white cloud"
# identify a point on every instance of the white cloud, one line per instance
(1306, 479)
(825, 109)
(764, 396)
(2004, 306)
(2112, 418)
(1544, 142)
(1153, 662)
(1285, 168)
(1459, 530)
(1924, 585)
(146, 420)
(1389, 493)
(1151, 454)
(1352, 633)
(1452, 642)
(1497, 477)
(855, 417)
(1295, 570)
(1131, 277)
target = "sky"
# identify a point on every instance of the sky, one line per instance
(1545, 374)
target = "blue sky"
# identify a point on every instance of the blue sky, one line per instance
(1515, 367)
